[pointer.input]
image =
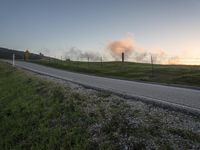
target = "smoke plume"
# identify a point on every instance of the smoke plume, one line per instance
(137, 53)
(132, 52)
(126, 45)
(77, 54)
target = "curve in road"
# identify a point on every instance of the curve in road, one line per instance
(187, 99)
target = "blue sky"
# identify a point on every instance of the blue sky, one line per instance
(57, 25)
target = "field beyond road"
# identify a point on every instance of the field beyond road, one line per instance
(39, 112)
(185, 75)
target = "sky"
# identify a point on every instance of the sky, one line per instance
(55, 26)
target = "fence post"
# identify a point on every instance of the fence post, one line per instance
(152, 69)
(13, 62)
(88, 60)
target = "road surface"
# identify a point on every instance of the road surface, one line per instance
(187, 99)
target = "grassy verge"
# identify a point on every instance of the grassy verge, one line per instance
(169, 74)
(38, 114)
(33, 114)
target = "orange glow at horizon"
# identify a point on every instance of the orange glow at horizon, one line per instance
(189, 56)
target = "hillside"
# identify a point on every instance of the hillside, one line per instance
(184, 75)
(6, 53)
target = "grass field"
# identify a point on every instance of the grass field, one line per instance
(40, 114)
(168, 74)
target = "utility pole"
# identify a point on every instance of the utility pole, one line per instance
(152, 69)
(13, 63)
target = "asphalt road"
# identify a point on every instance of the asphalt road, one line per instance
(173, 96)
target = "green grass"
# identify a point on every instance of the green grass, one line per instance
(168, 74)
(38, 114)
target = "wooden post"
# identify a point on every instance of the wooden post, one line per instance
(152, 69)
(13, 63)
(122, 56)
(88, 61)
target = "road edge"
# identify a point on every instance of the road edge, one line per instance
(156, 102)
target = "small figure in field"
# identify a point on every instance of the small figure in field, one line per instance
(26, 55)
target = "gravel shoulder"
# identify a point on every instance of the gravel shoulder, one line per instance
(128, 123)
